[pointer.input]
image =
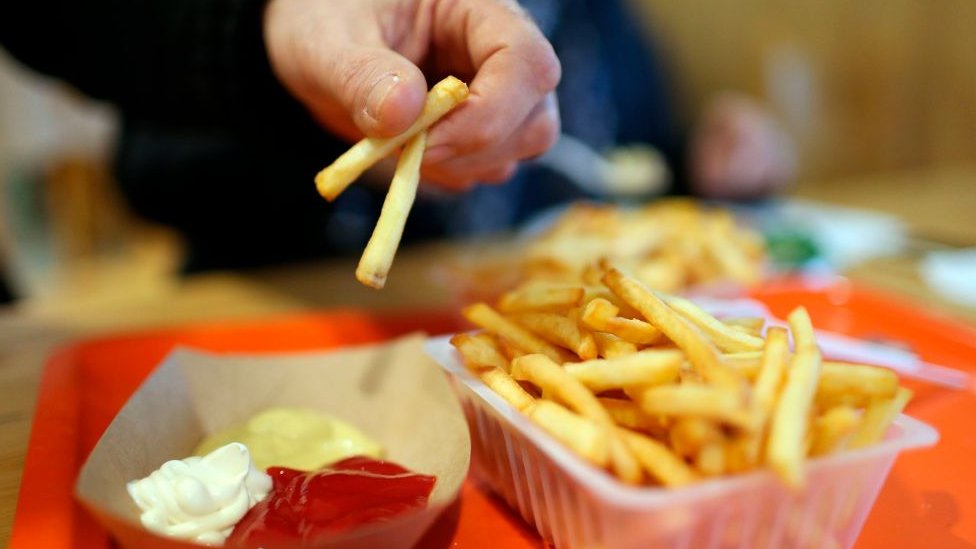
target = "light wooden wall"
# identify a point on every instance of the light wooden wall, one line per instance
(864, 85)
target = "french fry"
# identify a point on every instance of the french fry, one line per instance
(644, 368)
(745, 364)
(510, 351)
(611, 346)
(689, 376)
(485, 317)
(878, 417)
(601, 292)
(507, 388)
(591, 274)
(740, 453)
(554, 380)
(726, 338)
(601, 315)
(841, 380)
(749, 325)
(666, 273)
(624, 413)
(832, 428)
(660, 462)
(582, 435)
(703, 401)
(441, 99)
(377, 258)
(710, 460)
(701, 352)
(541, 299)
(690, 434)
(738, 266)
(623, 462)
(627, 414)
(492, 342)
(770, 378)
(545, 374)
(786, 447)
(560, 330)
(744, 356)
(479, 353)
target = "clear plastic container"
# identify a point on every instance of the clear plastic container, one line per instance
(575, 505)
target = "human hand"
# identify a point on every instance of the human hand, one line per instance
(362, 67)
(739, 151)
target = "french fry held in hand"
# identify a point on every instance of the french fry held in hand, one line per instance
(377, 258)
(441, 99)
(701, 398)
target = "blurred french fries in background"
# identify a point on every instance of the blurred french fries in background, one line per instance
(653, 389)
(669, 245)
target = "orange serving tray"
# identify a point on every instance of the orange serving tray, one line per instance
(928, 501)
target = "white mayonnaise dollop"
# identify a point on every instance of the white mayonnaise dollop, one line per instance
(200, 498)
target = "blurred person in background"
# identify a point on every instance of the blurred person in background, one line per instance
(224, 103)
(5, 294)
(615, 92)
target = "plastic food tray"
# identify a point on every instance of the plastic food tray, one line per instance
(929, 499)
(576, 505)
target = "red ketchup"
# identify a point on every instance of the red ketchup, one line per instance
(303, 507)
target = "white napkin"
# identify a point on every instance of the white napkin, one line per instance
(952, 274)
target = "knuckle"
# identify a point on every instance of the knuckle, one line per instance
(509, 171)
(545, 69)
(464, 185)
(486, 134)
(500, 174)
(540, 135)
(458, 183)
(448, 179)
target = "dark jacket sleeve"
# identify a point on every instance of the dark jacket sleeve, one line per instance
(642, 90)
(178, 62)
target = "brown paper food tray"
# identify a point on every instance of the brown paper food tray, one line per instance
(392, 392)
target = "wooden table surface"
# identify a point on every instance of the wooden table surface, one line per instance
(938, 206)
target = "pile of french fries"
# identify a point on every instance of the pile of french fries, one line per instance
(656, 391)
(670, 245)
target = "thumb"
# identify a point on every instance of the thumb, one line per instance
(382, 91)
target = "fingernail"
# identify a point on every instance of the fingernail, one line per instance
(438, 153)
(378, 94)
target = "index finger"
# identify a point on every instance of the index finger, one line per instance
(515, 68)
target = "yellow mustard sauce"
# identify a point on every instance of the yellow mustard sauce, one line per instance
(296, 438)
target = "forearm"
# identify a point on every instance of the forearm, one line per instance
(179, 62)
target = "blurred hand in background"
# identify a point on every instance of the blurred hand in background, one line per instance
(738, 150)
